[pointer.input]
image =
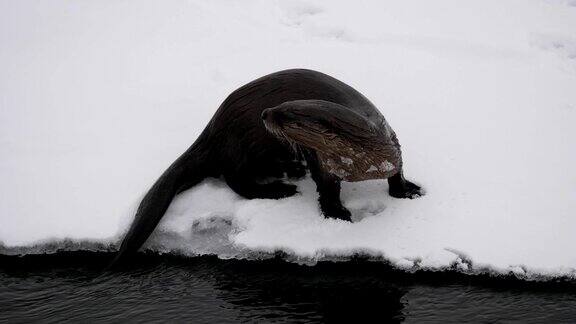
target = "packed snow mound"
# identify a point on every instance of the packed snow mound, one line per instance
(97, 99)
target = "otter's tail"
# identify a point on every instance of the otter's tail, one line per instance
(185, 172)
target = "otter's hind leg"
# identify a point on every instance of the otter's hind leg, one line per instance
(249, 188)
(328, 187)
(399, 187)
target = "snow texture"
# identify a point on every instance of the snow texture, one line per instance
(98, 98)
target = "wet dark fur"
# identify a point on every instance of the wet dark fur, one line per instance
(348, 145)
(237, 146)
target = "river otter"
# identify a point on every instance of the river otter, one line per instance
(265, 130)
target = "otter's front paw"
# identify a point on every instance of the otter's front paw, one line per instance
(336, 211)
(406, 190)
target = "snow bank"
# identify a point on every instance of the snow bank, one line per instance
(96, 99)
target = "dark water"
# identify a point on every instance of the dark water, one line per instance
(69, 287)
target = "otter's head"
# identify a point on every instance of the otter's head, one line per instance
(350, 145)
(319, 125)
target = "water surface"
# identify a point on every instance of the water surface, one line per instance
(70, 287)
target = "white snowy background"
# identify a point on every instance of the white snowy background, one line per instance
(97, 98)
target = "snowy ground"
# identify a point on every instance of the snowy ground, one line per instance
(97, 98)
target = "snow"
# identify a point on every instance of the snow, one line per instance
(386, 166)
(346, 160)
(98, 98)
